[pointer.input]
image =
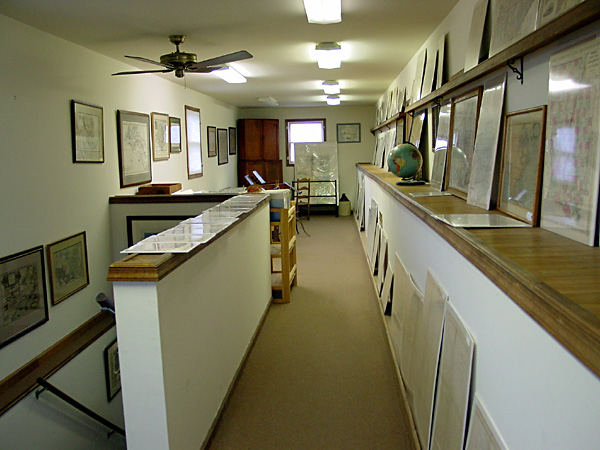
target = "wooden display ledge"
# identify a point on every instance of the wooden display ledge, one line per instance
(553, 279)
(155, 266)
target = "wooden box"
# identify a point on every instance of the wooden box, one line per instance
(157, 189)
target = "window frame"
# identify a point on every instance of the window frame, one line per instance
(287, 138)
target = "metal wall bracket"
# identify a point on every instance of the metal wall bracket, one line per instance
(437, 101)
(518, 71)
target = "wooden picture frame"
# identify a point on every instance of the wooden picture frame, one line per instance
(193, 141)
(133, 132)
(348, 133)
(175, 135)
(112, 370)
(211, 133)
(87, 132)
(67, 266)
(521, 164)
(463, 129)
(160, 136)
(23, 302)
(232, 141)
(222, 146)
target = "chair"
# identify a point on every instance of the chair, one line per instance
(303, 197)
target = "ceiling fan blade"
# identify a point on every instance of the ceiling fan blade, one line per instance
(219, 60)
(193, 69)
(149, 61)
(133, 72)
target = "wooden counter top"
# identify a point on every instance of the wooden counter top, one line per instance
(155, 266)
(553, 279)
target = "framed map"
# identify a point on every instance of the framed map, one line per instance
(112, 370)
(134, 148)
(521, 165)
(87, 128)
(23, 304)
(175, 139)
(232, 141)
(222, 145)
(193, 136)
(572, 157)
(440, 148)
(463, 127)
(211, 136)
(160, 136)
(68, 266)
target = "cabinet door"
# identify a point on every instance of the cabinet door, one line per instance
(270, 138)
(250, 139)
(273, 172)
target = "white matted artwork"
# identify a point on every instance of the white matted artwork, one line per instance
(474, 45)
(430, 69)
(441, 62)
(483, 434)
(483, 169)
(371, 227)
(416, 128)
(382, 262)
(386, 291)
(572, 159)
(375, 250)
(440, 147)
(406, 312)
(426, 355)
(512, 20)
(454, 384)
(418, 81)
(552, 9)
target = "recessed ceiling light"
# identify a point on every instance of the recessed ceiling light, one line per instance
(323, 11)
(333, 100)
(329, 55)
(331, 87)
(268, 101)
(230, 75)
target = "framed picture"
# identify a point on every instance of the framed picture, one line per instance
(133, 131)
(511, 21)
(484, 172)
(232, 141)
(521, 166)
(87, 132)
(222, 145)
(463, 128)
(141, 227)
(211, 133)
(348, 132)
(440, 148)
(160, 136)
(23, 304)
(193, 142)
(400, 126)
(67, 263)
(175, 135)
(112, 370)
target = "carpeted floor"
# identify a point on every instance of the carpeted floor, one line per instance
(320, 375)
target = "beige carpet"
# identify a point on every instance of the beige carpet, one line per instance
(320, 375)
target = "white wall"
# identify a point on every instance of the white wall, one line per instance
(348, 154)
(47, 198)
(537, 393)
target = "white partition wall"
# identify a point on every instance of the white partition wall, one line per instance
(182, 339)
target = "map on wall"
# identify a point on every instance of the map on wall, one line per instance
(135, 144)
(512, 20)
(572, 159)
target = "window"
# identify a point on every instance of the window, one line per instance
(302, 130)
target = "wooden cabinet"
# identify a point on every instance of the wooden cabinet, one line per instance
(258, 149)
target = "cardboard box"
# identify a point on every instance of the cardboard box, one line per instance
(158, 189)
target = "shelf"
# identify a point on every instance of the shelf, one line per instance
(283, 253)
(574, 19)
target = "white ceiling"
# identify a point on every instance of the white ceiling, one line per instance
(378, 38)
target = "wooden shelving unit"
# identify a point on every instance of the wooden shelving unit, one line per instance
(283, 253)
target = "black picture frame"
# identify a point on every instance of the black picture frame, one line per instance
(133, 132)
(222, 146)
(67, 266)
(211, 135)
(87, 132)
(232, 141)
(112, 370)
(348, 133)
(23, 298)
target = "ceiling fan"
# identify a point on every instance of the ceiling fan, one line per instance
(182, 62)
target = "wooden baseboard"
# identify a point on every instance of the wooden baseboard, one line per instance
(21, 382)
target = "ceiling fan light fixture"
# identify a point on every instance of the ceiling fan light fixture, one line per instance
(333, 100)
(230, 75)
(329, 55)
(331, 87)
(323, 11)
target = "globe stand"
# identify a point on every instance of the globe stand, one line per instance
(409, 182)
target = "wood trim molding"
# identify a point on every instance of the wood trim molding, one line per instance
(20, 383)
(577, 329)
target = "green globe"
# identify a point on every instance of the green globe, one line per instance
(405, 160)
